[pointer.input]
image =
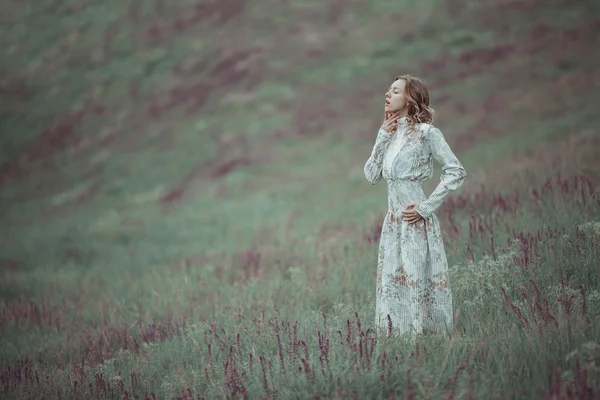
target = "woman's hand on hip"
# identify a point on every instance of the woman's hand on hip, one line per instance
(411, 215)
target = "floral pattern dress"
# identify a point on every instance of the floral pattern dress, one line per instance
(413, 292)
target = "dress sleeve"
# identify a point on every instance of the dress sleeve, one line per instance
(453, 173)
(374, 163)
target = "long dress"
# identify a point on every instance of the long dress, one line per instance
(412, 286)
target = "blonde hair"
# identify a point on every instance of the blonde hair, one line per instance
(417, 97)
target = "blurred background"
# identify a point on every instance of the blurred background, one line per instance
(164, 127)
(139, 138)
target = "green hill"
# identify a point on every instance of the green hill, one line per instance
(184, 210)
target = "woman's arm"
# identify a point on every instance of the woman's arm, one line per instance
(453, 173)
(374, 163)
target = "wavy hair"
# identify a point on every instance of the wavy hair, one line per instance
(417, 97)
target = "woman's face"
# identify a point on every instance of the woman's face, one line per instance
(395, 98)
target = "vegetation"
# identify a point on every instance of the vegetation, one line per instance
(185, 214)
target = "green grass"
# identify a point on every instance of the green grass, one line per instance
(287, 238)
(333, 277)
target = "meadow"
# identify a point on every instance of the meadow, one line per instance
(184, 212)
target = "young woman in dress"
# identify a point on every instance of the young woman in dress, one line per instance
(413, 292)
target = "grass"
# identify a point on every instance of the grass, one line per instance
(317, 286)
(188, 218)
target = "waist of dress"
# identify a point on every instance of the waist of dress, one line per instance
(402, 192)
(406, 181)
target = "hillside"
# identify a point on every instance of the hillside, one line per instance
(200, 164)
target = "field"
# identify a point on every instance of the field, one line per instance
(184, 211)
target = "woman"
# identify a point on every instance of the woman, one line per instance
(413, 294)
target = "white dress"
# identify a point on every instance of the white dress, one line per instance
(413, 291)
